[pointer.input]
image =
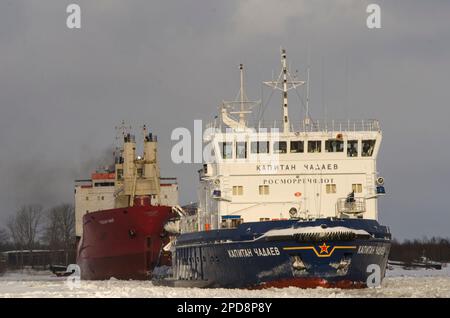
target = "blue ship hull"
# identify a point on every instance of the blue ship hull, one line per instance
(246, 257)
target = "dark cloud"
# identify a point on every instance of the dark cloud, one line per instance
(166, 63)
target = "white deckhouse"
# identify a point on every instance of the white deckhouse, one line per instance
(286, 170)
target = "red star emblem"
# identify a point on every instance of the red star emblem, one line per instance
(324, 248)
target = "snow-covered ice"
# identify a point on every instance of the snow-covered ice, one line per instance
(398, 283)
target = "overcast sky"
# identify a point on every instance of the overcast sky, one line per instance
(166, 63)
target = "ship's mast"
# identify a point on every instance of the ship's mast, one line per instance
(307, 120)
(284, 83)
(245, 106)
(242, 114)
(285, 97)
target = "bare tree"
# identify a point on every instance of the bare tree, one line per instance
(4, 236)
(60, 230)
(24, 227)
(51, 232)
(4, 239)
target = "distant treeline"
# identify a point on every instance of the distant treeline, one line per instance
(33, 228)
(435, 248)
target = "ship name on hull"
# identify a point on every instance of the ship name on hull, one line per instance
(293, 167)
(371, 250)
(250, 252)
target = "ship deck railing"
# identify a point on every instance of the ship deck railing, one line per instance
(350, 125)
(189, 224)
(351, 206)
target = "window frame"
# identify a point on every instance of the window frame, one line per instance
(329, 142)
(353, 141)
(264, 189)
(222, 145)
(357, 187)
(371, 147)
(315, 141)
(302, 148)
(331, 188)
(239, 190)
(245, 149)
(278, 150)
(258, 148)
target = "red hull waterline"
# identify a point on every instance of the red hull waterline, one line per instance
(123, 243)
(312, 283)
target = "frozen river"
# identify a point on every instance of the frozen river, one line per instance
(398, 283)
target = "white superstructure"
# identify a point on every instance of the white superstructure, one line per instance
(285, 170)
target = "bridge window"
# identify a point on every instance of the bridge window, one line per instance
(279, 147)
(241, 150)
(330, 188)
(352, 148)
(296, 146)
(227, 149)
(315, 146)
(367, 147)
(238, 190)
(334, 145)
(260, 147)
(357, 187)
(263, 190)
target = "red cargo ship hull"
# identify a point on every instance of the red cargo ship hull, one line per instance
(123, 243)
